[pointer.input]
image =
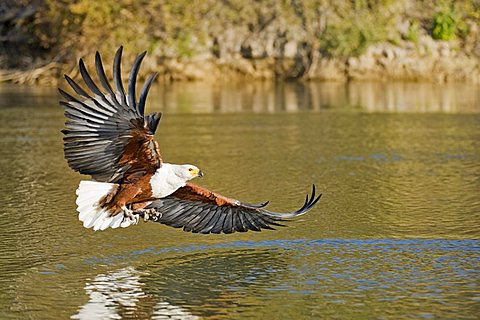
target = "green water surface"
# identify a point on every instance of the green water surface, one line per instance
(396, 234)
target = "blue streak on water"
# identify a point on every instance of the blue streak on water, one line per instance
(376, 245)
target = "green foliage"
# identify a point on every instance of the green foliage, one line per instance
(349, 40)
(413, 32)
(444, 25)
(172, 28)
(451, 17)
(357, 25)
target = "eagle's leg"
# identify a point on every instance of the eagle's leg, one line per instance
(130, 214)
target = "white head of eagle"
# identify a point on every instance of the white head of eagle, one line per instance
(169, 177)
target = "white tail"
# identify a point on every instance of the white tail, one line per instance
(89, 193)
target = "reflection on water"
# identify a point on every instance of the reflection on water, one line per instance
(268, 97)
(316, 278)
(117, 294)
(409, 178)
(109, 293)
(298, 96)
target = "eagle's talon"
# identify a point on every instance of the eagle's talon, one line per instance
(130, 215)
(147, 214)
(156, 215)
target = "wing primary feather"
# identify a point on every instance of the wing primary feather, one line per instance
(198, 225)
(266, 224)
(193, 221)
(205, 226)
(312, 203)
(248, 223)
(174, 210)
(184, 217)
(99, 110)
(88, 80)
(255, 206)
(228, 222)
(259, 222)
(179, 220)
(143, 94)
(196, 220)
(171, 212)
(171, 209)
(70, 98)
(132, 80)
(243, 223)
(117, 74)
(272, 221)
(305, 205)
(264, 204)
(102, 76)
(237, 223)
(253, 221)
(313, 200)
(316, 200)
(218, 225)
(309, 203)
(84, 113)
(77, 88)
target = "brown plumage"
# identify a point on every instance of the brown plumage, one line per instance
(193, 192)
(108, 137)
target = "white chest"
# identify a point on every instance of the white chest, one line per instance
(164, 182)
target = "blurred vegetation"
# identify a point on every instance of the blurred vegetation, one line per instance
(356, 25)
(449, 22)
(444, 25)
(413, 32)
(41, 33)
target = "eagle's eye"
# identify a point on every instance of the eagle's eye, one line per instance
(190, 169)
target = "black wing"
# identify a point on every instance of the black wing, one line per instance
(198, 210)
(106, 131)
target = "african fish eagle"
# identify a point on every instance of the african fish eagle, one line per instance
(108, 137)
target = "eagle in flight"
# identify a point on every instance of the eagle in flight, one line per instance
(108, 137)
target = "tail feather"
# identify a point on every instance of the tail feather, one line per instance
(96, 218)
(107, 222)
(85, 213)
(117, 221)
(89, 194)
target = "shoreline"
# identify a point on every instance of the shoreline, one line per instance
(381, 62)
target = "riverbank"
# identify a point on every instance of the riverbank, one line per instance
(381, 62)
(427, 61)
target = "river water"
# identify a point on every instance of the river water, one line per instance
(396, 234)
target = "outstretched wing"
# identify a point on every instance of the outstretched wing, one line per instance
(199, 210)
(107, 135)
